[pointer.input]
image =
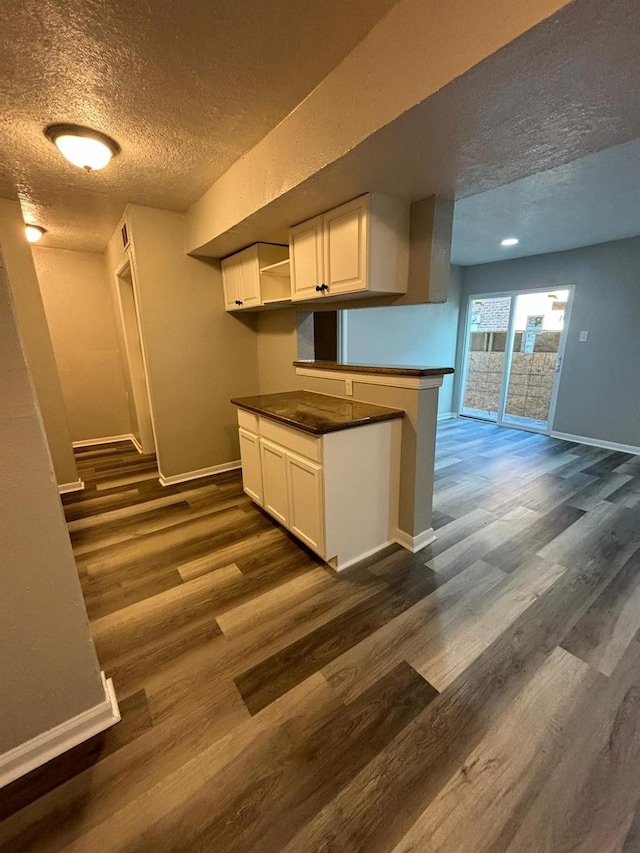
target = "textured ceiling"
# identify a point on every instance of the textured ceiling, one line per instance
(185, 87)
(591, 200)
(565, 90)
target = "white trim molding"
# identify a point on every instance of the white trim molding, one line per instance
(596, 442)
(136, 444)
(107, 439)
(414, 543)
(359, 558)
(42, 748)
(76, 486)
(417, 383)
(196, 475)
(447, 416)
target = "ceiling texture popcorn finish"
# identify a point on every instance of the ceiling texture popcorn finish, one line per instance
(591, 200)
(564, 89)
(186, 89)
(253, 116)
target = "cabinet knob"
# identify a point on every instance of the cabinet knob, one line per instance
(318, 288)
(322, 287)
(238, 302)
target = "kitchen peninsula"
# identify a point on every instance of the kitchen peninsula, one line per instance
(346, 464)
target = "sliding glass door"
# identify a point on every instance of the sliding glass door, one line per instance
(513, 357)
(487, 331)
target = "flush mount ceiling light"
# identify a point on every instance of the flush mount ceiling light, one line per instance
(34, 232)
(510, 241)
(89, 149)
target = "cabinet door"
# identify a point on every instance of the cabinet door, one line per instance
(251, 465)
(232, 282)
(274, 481)
(250, 278)
(346, 247)
(306, 519)
(307, 262)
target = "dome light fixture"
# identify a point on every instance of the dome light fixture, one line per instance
(510, 241)
(89, 149)
(34, 232)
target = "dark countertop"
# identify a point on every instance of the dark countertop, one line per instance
(316, 413)
(397, 370)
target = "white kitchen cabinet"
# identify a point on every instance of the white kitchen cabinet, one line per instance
(346, 241)
(304, 483)
(306, 250)
(232, 282)
(335, 492)
(274, 481)
(360, 248)
(255, 277)
(251, 464)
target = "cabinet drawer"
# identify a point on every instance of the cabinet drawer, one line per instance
(293, 439)
(248, 420)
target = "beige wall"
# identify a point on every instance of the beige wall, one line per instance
(277, 350)
(48, 667)
(77, 300)
(197, 355)
(423, 334)
(36, 339)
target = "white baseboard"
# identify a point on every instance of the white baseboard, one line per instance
(202, 472)
(37, 751)
(414, 543)
(108, 439)
(76, 486)
(360, 557)
(596, 442)
(136, 443)
(447, 416)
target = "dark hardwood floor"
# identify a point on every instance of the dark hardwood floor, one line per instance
(478, 697)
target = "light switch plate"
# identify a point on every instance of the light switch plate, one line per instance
(348, 387)
(583, 337)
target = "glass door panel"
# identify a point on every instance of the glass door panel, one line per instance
(486, 345)
(534, 357)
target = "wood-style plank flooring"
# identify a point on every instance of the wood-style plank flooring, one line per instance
(480, 696)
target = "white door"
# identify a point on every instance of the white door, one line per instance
(251, 467)
(274, 481)
(305, 501)
(307, 261)
(232, 282)
(345, 247)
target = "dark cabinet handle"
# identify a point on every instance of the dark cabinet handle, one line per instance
(238, 302)
(318, 288)
(322, 287)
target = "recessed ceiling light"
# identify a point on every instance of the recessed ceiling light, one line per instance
(510, 241)
(34, 232)
(89, 149)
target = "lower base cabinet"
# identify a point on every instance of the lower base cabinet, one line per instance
(334, 492)
(306, 516)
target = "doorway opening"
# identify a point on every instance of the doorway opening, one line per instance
(514, 346)
(135, 374)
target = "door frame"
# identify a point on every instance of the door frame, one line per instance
(513, 294)
(128, 262)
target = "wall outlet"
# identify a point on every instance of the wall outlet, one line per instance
(348, 387)
(583, 337)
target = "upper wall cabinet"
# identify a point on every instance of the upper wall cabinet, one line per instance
(256, 277)
(360, 248)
